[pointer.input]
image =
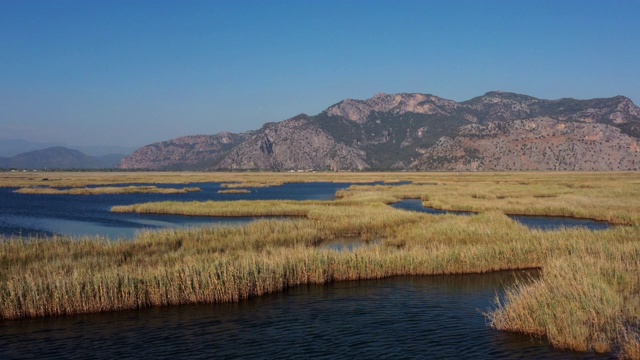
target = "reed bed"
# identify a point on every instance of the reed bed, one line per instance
(588, 300)
(598, 197)
(44, 277)
(106, 190)
(223, 208)
(82, 179)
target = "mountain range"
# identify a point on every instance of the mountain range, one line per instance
(58, 158)
(495, 131)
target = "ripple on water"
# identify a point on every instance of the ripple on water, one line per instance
(408, 317)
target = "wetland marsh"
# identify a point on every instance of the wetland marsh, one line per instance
(586, 299)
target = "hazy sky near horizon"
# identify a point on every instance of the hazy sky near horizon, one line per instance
(128, 72)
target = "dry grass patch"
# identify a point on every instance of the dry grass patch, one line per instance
(222, 208)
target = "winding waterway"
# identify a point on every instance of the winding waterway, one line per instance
(46, 215)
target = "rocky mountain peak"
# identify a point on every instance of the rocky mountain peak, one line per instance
(507, 96)
(502, 106)
(359, 110)
(226, 137)
(502, 98)
(626, 106)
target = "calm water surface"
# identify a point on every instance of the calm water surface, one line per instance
(430, 317)
(22, 214)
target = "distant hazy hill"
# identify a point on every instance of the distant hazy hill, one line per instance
(59, 157)
(12, 147)
(496, 131)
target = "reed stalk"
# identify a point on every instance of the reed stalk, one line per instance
(587, 299)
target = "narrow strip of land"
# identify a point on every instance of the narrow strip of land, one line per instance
(105, 190)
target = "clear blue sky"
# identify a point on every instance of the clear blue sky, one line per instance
(134, 72)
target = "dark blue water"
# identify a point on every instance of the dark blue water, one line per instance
(416, 205)
(533, 222)
(557, 223)
(431, 317)
(44, 215)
